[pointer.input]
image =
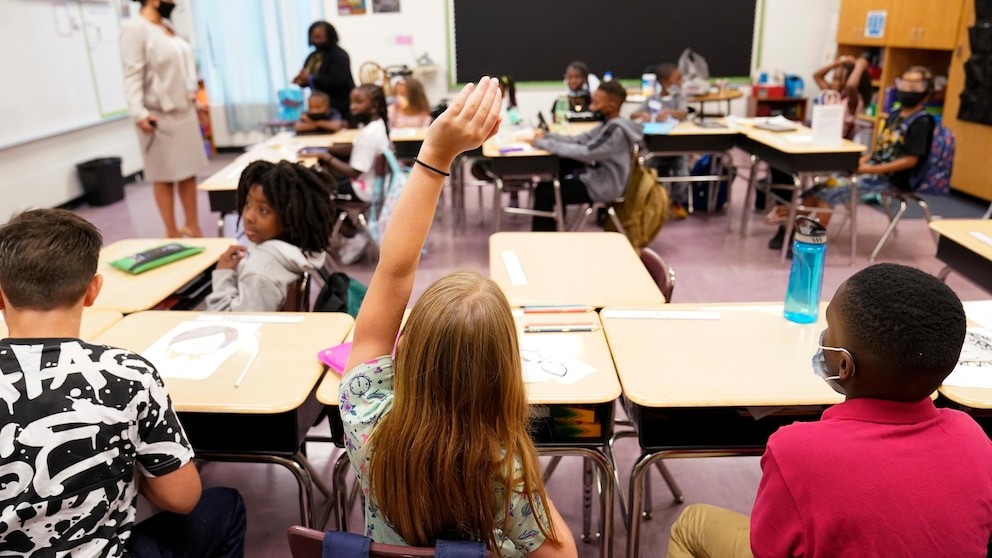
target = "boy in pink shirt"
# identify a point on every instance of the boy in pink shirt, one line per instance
(885, 473)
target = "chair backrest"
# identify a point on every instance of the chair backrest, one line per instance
(662, 274)
(371, 73)
(298, 295)
(306, 543)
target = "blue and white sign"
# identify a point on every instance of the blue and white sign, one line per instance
(875, 24)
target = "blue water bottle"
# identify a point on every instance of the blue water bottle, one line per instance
(809, 249)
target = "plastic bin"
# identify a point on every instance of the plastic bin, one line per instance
(102, 181)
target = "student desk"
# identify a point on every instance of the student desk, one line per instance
(695, 375)
(724, 96)
(688, 138)
(976, 401)
(965, 246)
(126, 293)
(222, 186)
(594, 269)
(791, 152)
(570, 419)
(94, 322)
(266, 418)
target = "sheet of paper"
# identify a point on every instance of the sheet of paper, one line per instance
(979, 311)
(974, 367)
(250, 318)
(552, 358)
(661, 314)
(660, 128)
(194, 350)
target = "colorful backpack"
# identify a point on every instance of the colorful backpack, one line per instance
(934, 177)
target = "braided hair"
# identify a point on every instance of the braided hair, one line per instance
(377, 97)
(301, 197)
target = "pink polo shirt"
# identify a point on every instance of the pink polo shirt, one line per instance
(876, 478)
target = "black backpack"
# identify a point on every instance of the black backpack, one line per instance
(340, 293)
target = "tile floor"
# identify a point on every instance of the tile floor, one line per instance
(712, 266)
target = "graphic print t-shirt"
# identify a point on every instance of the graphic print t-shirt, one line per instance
(76, 420)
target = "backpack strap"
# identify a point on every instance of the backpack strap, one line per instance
(459, 549)
(340, 544)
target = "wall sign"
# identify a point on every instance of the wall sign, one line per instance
(875, 24)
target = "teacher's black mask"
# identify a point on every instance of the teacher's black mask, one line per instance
(165, 9)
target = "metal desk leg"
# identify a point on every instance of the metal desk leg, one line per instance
(587, 481)
(497, 204)
(790, 223)
(944, 273)
(635, 499)
(855, 198)
(752, 182)
(341, 490)
(607, 471)
(559, 207)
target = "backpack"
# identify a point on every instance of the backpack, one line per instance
(339, 293)
(701, 190)
(385, 193)
(934, 176)
(644, 208)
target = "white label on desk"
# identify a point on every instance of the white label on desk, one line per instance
(979, 235)
(513, 268)
(974, 367)
(250, 318)
(400, 133)
(660, 314)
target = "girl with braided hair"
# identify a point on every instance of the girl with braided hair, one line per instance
(288, 214)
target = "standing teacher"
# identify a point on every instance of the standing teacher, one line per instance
(160, 81)
(328, 68)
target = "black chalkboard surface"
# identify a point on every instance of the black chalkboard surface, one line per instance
(533, 40)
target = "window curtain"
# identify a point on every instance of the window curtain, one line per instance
(249, 50)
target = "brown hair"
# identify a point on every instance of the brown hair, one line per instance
(48, 258)
(416, 96)
(433, 470)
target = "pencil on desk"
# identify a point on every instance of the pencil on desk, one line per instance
(559, 328)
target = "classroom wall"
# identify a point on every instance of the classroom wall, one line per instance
(43, 173)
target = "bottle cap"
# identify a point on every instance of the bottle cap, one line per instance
(810, 231)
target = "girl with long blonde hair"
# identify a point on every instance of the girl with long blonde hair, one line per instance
(438, 435)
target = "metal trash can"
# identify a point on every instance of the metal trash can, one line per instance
(103, 183)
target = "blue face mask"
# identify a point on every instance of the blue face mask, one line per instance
(820, 366)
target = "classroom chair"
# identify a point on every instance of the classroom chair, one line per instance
(355, 211)
(308, 543)
(611, 213)
(506, 183)
(371, 73)
(298, 295)
(660, 271)
(903, 198)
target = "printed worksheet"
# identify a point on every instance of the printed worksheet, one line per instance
(194, 350)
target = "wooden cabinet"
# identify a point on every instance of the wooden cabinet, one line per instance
(923, 23)
(851, 24)
(972, 172)
(793, 108)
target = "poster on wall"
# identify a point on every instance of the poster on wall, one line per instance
(875, 24)
(385, 6)
(351, 7)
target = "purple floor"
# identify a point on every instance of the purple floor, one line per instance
(712, 265)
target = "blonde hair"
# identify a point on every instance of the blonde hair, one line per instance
(459, 426)
(416, 96)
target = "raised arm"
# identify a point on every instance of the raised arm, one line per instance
(469, 121)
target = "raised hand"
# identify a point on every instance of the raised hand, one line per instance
(470, 120)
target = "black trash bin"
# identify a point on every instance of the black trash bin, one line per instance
(102, 181)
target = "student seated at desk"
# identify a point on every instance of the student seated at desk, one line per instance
(86, 428)
(438, 436)
(604, 151)
(886, 473)
(669, 103)
(902, 148)
(288, 214)
(580, 84)
(320, 118)
(410, 108)
(357, 176)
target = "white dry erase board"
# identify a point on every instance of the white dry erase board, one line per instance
(61, 67)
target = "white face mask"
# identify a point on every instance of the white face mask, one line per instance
(820, 365)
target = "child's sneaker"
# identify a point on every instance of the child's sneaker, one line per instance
(351, 249)
(679, 212)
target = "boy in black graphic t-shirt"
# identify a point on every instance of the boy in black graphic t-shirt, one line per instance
(85, 428)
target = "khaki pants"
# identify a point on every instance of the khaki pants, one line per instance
(705, 531)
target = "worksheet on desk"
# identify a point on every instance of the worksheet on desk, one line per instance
(974, 367)
(194, 350)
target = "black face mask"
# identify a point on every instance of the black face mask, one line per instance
(908, 99)
(321, 46)
(319, 116)
(165, 9)
(363, 119)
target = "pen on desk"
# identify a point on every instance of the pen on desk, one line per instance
(510, 149)
(559, 328)
(556, 309)
(244, 372)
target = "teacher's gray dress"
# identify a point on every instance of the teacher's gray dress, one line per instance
(160, 80)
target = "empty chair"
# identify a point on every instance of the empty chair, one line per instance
(903, 198)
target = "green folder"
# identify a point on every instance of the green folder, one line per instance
(155, 257)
